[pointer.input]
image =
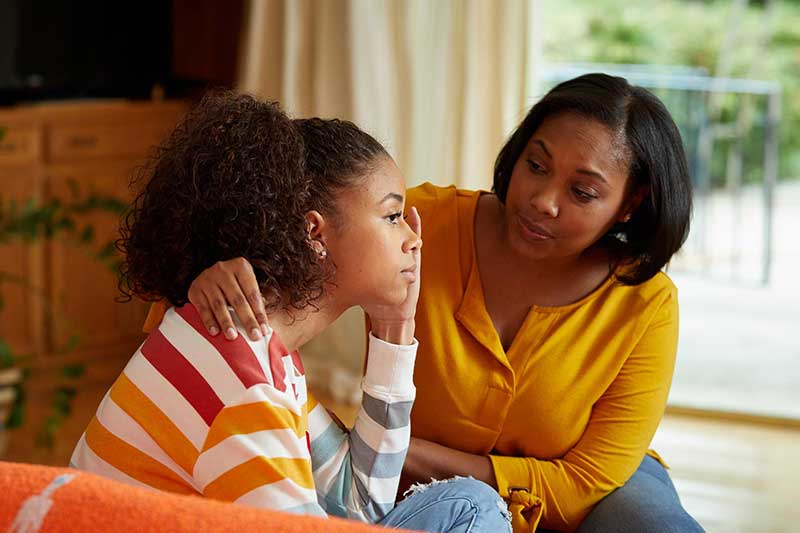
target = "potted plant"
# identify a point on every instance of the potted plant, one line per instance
(29, 222)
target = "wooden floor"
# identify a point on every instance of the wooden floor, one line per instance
(733, 477)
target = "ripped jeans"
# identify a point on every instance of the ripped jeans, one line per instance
(457, 505)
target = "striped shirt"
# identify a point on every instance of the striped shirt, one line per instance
(232, 420)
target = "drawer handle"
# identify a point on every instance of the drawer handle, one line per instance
(81, 141)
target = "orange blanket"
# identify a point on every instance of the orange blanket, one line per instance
(47, 499)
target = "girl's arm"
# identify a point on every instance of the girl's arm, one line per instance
(356, 473)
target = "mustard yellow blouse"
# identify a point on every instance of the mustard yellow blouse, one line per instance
(568, 412)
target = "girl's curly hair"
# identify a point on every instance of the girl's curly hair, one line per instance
(236, 179)
(229, 181)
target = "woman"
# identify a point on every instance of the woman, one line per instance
(316, 208)
(548, 331)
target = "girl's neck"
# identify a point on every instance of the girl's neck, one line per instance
(296, 328)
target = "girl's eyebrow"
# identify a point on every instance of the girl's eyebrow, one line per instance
(392, 196)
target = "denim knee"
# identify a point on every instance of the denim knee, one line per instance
(489, 510)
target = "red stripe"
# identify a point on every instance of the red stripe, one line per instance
(184, 377)
(237, 353)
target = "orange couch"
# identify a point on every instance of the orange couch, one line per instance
(47, 499)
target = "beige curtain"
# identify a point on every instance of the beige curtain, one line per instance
(440, 82)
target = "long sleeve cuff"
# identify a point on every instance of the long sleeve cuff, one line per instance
(512, 473)
(390, 368)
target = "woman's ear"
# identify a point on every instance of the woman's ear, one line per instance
(633, 203)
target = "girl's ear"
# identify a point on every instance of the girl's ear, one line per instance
(316, 225)
(317, 228)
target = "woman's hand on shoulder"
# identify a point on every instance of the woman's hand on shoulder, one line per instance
(233, 283)
(395, 323)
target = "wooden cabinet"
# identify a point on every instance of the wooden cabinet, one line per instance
(98, 146)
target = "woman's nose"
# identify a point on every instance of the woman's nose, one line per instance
(546, 202)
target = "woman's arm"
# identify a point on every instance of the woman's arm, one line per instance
(428, 460)
(564, 490)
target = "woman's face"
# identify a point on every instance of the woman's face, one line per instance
(370, 242)
(568, 188)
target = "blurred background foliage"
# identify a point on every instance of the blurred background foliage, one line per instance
(753, 40)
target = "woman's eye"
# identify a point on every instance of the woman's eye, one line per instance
(535, 167)
(584, 196)
(394, 217)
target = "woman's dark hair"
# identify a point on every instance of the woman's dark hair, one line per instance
(659, 226)
(236, 179)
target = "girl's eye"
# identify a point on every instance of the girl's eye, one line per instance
(535, 167)
(394, 217)
(584, 196)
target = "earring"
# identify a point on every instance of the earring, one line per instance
(323, 253)
(626, 218)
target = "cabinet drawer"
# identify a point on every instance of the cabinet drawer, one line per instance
(68, 143)
(19, 145)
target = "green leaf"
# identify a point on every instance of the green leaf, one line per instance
(87, 235)
(7, 358)
(73, 371)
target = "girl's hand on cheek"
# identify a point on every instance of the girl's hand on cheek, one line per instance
(395, 323)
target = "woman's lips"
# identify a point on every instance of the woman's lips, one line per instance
(532, 230)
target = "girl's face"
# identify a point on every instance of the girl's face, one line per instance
(369, 242)
(567, 189)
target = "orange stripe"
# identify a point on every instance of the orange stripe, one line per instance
(252, 417)
(158, 425)
(257, 472)
(132, 461)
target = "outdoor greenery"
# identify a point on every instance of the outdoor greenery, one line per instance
(34, 220)
(764, 45)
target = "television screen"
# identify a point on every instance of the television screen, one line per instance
(91, 48)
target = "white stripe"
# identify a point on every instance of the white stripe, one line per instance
(85, 459)
(379, 438)
(238, 449)
(326, 474)
(318, 421)
(202, 355)
(120, 424)
(269, 394)
(381, 490)
(161, 392)
(280, 495)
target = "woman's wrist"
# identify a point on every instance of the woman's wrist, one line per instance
(395, 331)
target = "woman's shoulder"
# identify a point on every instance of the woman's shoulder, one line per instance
(653, 294)
(428, 196)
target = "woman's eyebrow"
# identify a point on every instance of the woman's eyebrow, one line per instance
(392, 196)
(543, 147)
(593, 174)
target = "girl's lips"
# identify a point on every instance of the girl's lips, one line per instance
(533, 230)
(410, 275)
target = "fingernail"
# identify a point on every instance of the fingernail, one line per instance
(265, 329)
(255, 334)
(230, 333)
(213, 330)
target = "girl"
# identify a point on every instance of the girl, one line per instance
(316, 208)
